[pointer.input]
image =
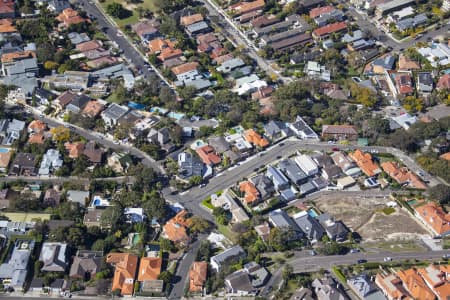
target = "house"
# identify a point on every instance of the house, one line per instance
(52, 197)
(280, 219)
(10, 131)
(93, 108)
(69, 17)
(36, 126)
(434, 217)
(391, 6)
(403, 83)
(197, 276)
(113, 113)
(437, 278)
(251, 194)
(328, 289)
(80, 197)
(315, 71)
(152, 286)
(219, 144)
(93, 217)
(335, 230)
(424, 82)
(310, 226)
(208, 155)
(353, 37)
(264, 186)
(407, 64)
(413, 22)
(86, 263)
(444, 82)
(302, 130)
(43, 96)
(263, 92)
(7, 9)
(74, 149)
(93, 153)
(322, 160)
(189, 166)
(149, 268)
(57, 286)
(415, 284)
(364, 287)
(24, 164)
(53, 257)
(157, 45)
(402, 121)
(147, 30)
(345, 182)
(73, 80)
(319, 11)
(51, 161)
(227, 202)
(382, 64)
(238, 283)
(280, 182)
(78, 38)
(78, 103)
(5, 158)
(125, 272)
(403, 176)
(186, 72)
(275, 130)
(231, 64)
(246, 7)
(292, 171)
(14, 269)
(263, 231)
(176, 229)
(254, 138)
(37, 285)
(339, 132)
(325, 31)
(307, 165)
(228, 256)
(331, 172)
(391, 286)
(191, 19)
(365, 163)
(310, 4)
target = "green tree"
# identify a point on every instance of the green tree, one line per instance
(165, 276)
(195, 180)
(199, 225)
(117, 10)
(440, 193)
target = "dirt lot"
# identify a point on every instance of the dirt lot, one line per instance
(366, 216)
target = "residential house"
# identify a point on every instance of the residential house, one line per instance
(264, 186)
(51, 161)
(219, 144)
(80, 197)
(325, 17)
(434, 217)
(407, 64)
(176, 229)
(189, 166)
(256, 139)
(319, 11)
(93, 217)
(391, 286)
(24, 164)
(227, 257)
(5, 158)
(14, 269)
(258, 274)
(78, 103)
(280, 182)
(251, 194)
(438, 279)
(331, 172)
(382, 64)
(230, 65)
(93, 108)
(238, 283)
(364, 287)
(403, 176)
(86, 263)
(328, 289)
(197, 28)
(403, 83)
(322, 160)
(161, 137)
(412, 23)
(93, 153)
(53, 257)
(37, 285)
(307, 165)
(147, 30)
(339, 132)
(415, 284)
(208, 155)
(325, 31)
(186, 72)
(52, 197)
(302, 130)
(391, 6)
(5, 198)
(73, 80)
(292, 171)
(57, 6)
(263, 92)
(113, 113)
(280, 219)
(316, 71)
(335, 230)
(43, 96)
(365, 162)
(191, 19)
(402, 121)
(246, 7)
(264, 20)
(69, 17)
(36, 126)
(7, 9)
(78, 38)
(74, 149)
(275, 130)
(197, 276)
(424, 82)
(444, 82)
(345, 182)
(149, 268)
(152, 286)
(10, 131)
(263, 231)
(227, 202)
(125, 272)
(63, 100)
(310, 226)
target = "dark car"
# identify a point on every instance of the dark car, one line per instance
(335, 149)
(362, 261)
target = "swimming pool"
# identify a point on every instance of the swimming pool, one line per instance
(4, 150)
(312, 213)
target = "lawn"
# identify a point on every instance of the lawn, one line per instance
(228, 233)
(26, 217)
(134, 18)
(207, 203)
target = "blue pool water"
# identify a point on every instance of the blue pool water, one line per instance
(4, 150)
(312, 213)
(96, 202)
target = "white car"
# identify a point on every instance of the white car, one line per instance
(387, 258)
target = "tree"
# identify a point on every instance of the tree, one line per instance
(60, 134)
(195, 180)
(204, 251)
(116, 10)
(154, 205)
(440, 193)
(287, 271)
(165, 276)
(165, 244)
(50, 65)
(111, 216)
(199, 225)
(221, 215)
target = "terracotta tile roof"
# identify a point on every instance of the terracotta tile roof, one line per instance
(415, 285)
(37, 126)
(93, 108)
(15, 56)
(437, 280)
(168, 53)
(176, 228)
(189, 20)
(392, 286)
(330, 28)
(404, 63)
(75, 149)
(246, 7)
(102, 61)
(251, 193)
(187, 67)
(221, 59)
(197, 276)
(149, 268)
(70, 16)
(5, 157)
(65, 98)
(433, 215)
(264, 20)
(7, 6)
(208, 156)
(339, 129)
(93, 153)
(365, 162)
(445, 156)
(89, 45)
(6, 26)
(444, 82)
(404, 83)
(318, 11)
(38, 138)
(402, 175)
(158, 44)
(253, 137)
(206, 38)
(124, 273)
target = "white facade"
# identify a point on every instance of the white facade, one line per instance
(306, 164)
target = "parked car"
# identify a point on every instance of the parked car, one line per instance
(354, 250)
(446, 256)
(362, 261)
(387, 258)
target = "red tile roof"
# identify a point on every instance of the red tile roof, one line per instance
(251, 193)
(330, 28)
(149, 268)
(124, 273)
(435, 217)
(444, 82)
(256, 139)
(197, 276)
(365, 162)
(246, 7)
(318, 11)
(208, 155)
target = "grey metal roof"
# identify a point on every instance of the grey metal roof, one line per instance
(292, 171)
(222, 257)
(310, 226)
(115, 111)
(276, 176)
(197, 27)
(199, 84)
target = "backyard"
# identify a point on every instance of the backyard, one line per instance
(134, 7)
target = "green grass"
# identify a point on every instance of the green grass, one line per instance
(207, 203)
(339, 274)
(228, 233)
(26, 217)
(114, 99)
(134, 18)
(388, 210)
(396, 246)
